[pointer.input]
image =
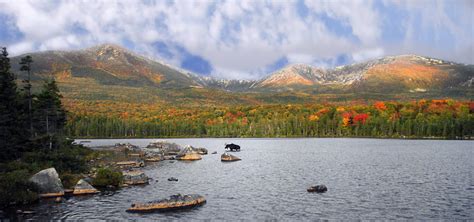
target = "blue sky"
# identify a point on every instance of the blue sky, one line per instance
(245, 39)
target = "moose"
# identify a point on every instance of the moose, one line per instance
(232, 147)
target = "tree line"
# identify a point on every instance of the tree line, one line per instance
(412, 119)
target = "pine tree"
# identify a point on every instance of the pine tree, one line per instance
(49, 115)
(26, 66)
(11, 135)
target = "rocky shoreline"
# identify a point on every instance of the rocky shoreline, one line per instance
(125, 161)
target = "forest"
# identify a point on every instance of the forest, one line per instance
(441, 118)
(32, 135)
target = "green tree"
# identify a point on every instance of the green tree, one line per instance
(49, 115)
(11, 133)
(26, 67)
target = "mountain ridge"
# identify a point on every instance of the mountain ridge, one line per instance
(110, 65)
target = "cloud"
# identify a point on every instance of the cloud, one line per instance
(245, 39)
(367, 54)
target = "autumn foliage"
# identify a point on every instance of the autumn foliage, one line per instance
(423, 118)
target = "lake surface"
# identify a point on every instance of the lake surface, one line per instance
(366, 179)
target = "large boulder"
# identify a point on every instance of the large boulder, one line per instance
(83, 187)
(174, 202)
(165, 148)
(48, 183)
(229, 158)
(134, 177)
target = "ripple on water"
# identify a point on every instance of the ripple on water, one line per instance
(367, 179)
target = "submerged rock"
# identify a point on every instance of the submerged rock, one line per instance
(174, 202)
(48, 183)
(215, 152)
(134, 177)
(229, 158)
(83, 187)
(318, 189)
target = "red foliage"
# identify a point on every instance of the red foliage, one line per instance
(361, 118)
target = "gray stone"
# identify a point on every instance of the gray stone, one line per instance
(48, 183)
(318, 189)
(165, 148)
(83, 187)
(134, 177)
(229, 158)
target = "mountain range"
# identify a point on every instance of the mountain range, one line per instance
(110, 72)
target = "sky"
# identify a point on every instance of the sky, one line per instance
(242, 39)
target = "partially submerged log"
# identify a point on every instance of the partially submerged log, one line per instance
(174, 202)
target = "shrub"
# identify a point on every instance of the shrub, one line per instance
(69, 180)
(106, 177)
(16, 189)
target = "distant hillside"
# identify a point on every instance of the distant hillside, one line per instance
(406, 73)
(110, 72)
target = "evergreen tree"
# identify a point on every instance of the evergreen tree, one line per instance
(49, 115)
(26, 66)
(11, 133)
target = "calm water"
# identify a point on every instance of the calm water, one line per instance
(366, 178)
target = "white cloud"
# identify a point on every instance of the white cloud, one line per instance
(238, 38)
(366, 54)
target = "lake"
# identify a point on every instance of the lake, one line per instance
(366, 179)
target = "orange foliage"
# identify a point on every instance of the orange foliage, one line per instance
(380, 106)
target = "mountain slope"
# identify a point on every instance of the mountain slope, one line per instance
(110, 72)
(406, 73)
(109, 65)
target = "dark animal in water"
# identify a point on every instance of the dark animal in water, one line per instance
(232, 147)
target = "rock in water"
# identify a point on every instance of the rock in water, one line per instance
(200, 150)
(134, 177)
(165, 148)
(131, 164)
(189, 154)
(318, 189)
(83, 187)
(189, 157)
(48, 183)
(172, 179)
(174, 202)
(229, 158)
(215, 152)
